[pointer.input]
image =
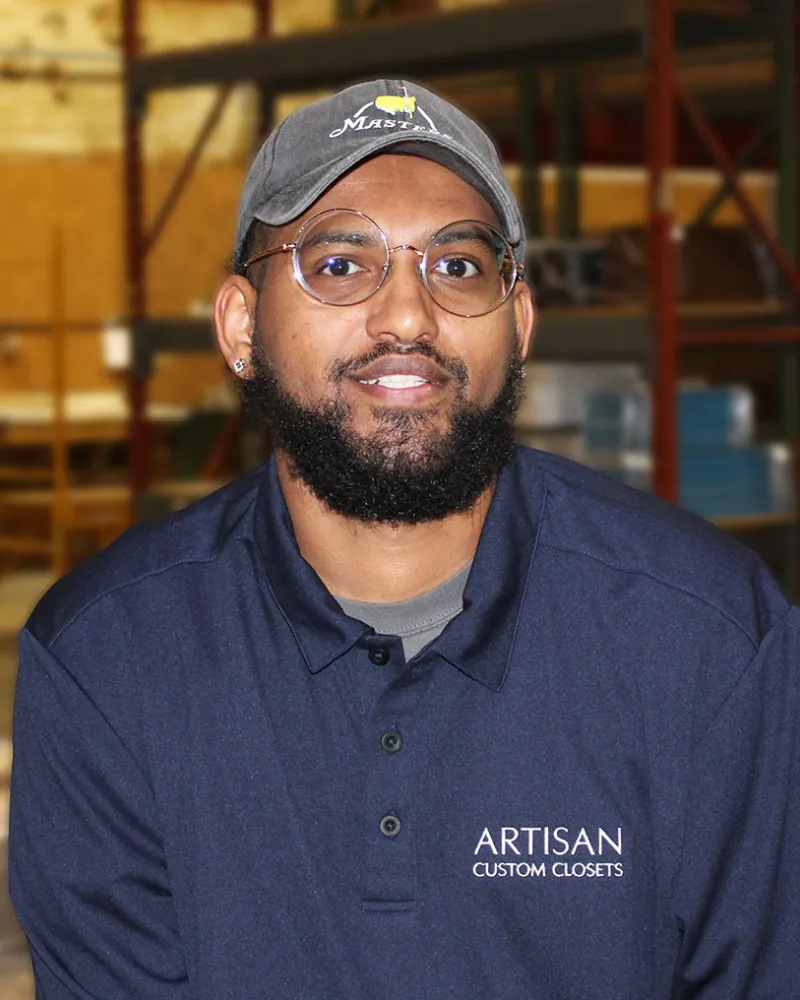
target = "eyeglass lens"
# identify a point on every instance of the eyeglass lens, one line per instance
(342, 258)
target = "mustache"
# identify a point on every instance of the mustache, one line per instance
(455, 368)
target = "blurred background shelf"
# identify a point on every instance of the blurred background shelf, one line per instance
(753, 522)
(667, 127)
(569, 334)
(494, 37)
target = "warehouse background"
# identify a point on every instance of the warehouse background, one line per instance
(664, 260)
(61, 169)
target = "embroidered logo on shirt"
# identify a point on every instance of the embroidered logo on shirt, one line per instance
(549, 851)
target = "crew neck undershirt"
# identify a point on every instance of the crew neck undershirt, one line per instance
(417, 621)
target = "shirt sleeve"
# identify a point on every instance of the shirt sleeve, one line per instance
(87, 871)
(737, 892)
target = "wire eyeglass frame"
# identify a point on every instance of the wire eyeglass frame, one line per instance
(516, 270)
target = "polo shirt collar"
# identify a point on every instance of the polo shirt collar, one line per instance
(322, 630)
(479, 641)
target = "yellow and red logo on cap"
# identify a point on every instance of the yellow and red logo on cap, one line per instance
(401, 112)
(393, 104)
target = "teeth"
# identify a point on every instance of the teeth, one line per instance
(397, 381)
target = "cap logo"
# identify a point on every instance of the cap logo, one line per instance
(390, 104)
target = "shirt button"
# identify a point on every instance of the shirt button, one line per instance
(390, 826)
(391, 741)
(379, 656)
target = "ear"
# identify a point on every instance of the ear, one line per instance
(525, 317)
(234, 318)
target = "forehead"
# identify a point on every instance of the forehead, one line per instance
(403, 194)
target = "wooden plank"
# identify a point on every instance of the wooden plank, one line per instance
(751, 522)
(24, 474)
(25, 546)
(76, 496)
(38, 434)
(186, 490)
(731, 7)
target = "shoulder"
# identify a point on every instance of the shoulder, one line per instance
(198, 534)
(592, 517)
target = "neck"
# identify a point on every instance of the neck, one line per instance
(379, 563)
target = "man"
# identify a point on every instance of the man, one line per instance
(408, 710)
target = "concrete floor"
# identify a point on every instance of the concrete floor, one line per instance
(18, 595)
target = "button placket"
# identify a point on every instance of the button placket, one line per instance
(390, 868)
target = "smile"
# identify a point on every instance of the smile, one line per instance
(396, 381)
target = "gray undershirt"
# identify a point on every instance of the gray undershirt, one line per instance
(417, 621)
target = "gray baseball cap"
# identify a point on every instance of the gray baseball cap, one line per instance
(312, 148)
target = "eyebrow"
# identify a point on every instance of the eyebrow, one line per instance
(468, 236)
(350, 238)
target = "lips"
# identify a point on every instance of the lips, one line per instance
(398, 372)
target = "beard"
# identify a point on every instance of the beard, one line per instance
(406, 471)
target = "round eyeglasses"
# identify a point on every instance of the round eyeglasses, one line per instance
(341, 257)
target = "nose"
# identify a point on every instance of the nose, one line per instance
(401, 309)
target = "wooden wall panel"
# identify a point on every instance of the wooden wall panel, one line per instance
(192, 256)
(83, 197)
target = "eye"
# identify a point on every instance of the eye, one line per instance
(339, 267)
(456, 267)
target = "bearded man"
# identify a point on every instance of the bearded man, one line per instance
(409, 709)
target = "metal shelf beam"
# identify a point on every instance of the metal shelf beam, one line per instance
(559, 337)
(480, 39)
(519, 34)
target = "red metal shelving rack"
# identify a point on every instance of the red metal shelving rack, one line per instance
(546, 32)
(665, 97)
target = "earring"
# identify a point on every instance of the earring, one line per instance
(239, 365)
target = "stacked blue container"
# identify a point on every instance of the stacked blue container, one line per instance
(722, 472)
(617, 435)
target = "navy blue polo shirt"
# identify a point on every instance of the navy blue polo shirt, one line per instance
(586, 788)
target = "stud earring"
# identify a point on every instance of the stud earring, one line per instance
(239, 365)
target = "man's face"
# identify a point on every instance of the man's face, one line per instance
(317, 368)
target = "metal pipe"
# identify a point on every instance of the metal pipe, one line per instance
(660, 115)
(788, 154)
(795, 9)
(266, 98)
(754, 148)
(567, 153)
(754, 337)
(41, 326)
(134, 258)
(187, 169)
(728, 169)
(55, 75)
(530, 154)
(787, 91)
(60, 54)
(263, 18)
(215, 460)
(60, 514)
